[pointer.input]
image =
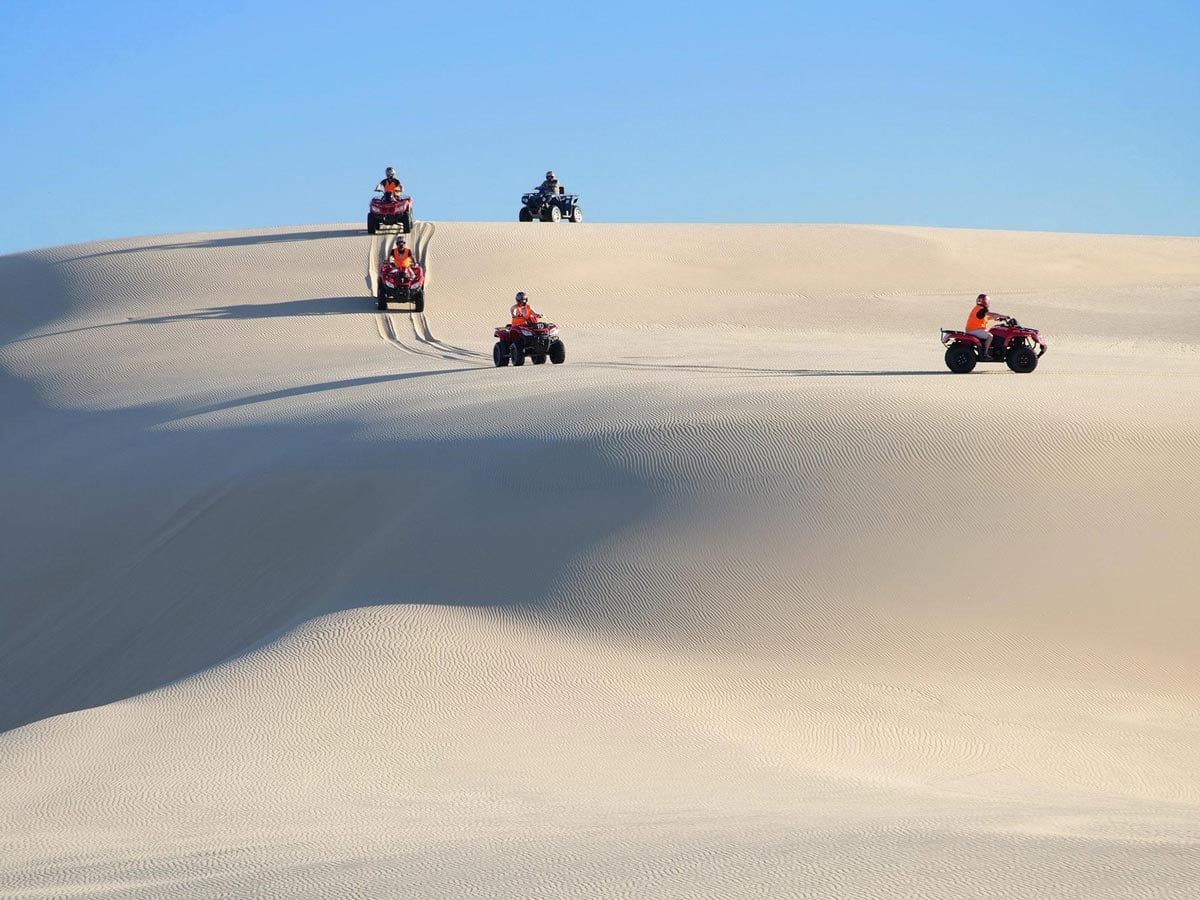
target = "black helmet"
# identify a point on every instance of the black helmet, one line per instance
(982, 299)
(521, 297)
(390, 172)
(550, 175)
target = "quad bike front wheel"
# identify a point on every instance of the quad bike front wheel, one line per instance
(407, 222)
(419, 301)
(1022, 359)
(525, 215)
(552, 214)
(961, 358)
(558, 353)
(372, 224)
(516, 354)
(500, 355)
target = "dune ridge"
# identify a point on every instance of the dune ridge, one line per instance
(749, 597)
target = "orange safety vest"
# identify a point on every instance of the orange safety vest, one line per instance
(402, 260)
(391, 186)
(522, 313)
(978, 319)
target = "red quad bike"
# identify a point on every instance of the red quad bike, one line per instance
(397, 285)
(538, 341)
(391, 212)
(1013, 343)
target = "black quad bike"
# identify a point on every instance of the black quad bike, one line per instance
(549, 207)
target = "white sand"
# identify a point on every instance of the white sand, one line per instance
(749, 598)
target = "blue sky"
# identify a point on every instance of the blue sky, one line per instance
(124, 118)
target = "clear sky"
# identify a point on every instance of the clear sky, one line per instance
(128, 117)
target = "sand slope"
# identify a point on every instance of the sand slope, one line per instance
(751, 597)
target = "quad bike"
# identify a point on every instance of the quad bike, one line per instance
(1013, 343)
(538, 341)
(391, 212)
(550, 207)
(401, 285)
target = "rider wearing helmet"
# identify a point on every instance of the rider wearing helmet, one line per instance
(978, 320)
(522, 312)
(401, 256)
(550, 185)
(390, 185)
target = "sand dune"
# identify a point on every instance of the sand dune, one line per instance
(751, 597)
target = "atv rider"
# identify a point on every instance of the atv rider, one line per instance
(402, 257)
(390, 187)
(522, 312)
(550, 185)
(978, 320)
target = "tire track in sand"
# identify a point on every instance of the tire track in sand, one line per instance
(424, 343)
(380, 245)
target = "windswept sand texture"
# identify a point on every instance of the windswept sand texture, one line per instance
(749, 598)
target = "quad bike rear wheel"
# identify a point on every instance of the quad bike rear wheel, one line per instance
(1022, 359)
(372, 223)
(558, 353)
(961, 358)
(407, 222)
(539, 359)
(500, 355)
(576, 215)
(525, 215)
(516, 353)
(381, 304)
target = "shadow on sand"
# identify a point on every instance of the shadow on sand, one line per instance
(769, 373)
(141, 545)
(317, 306)
(239, 241)
(318, 388)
